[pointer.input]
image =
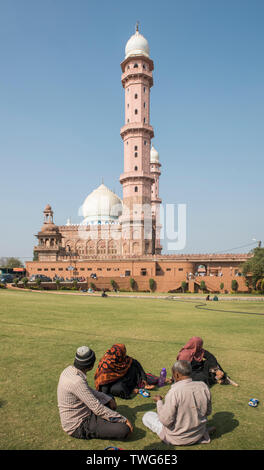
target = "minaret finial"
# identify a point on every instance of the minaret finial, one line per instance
(137, 23)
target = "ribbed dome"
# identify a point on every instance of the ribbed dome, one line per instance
(154, 155)
(102, 206)
(137, 45)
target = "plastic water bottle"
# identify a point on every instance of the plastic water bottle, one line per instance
(162, 378)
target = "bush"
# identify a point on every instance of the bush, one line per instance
(184, 286)
(16, 281)
(93, 286)
(132, 283)
(113, 284)
(75, 285)
(234, 285)
(2, 286)
(38, 282)
(222, 285)
(25, 281)
(152, 284)
(203, 286)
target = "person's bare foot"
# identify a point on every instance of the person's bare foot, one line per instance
(149, 387)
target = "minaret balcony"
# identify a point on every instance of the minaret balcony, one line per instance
(136, 176)
(140, 128)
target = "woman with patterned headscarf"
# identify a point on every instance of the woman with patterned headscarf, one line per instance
(205, 367)
(118, 374)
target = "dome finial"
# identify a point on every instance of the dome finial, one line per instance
(137, 23)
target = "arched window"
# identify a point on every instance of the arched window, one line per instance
(136, 189)
(136, 111)
(101, 247)
(135, 148)
(135, 154)
(136, 168)
(112, 248)
(135, 66)
(135, 96)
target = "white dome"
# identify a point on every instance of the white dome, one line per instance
(154, 155)
(137, 45)
(102, 206)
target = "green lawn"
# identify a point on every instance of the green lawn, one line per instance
(40, 333)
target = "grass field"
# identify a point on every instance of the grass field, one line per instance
(40, 333)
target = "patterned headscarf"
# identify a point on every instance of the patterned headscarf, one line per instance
(193, 350)
(113, 365)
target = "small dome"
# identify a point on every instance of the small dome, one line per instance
(154, 155)
(49, 227)
(137, 45)
(47, 208)
(102, 206)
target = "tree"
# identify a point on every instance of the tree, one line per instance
(113, 284)
(254, 267)
(152, 284)
(203, 286)
(222, 285)
(184, 286)
(25, 281)
(234, 285)
(132, 283)
(11, 262)
(38, 282)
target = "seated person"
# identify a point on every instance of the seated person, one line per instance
(204, 364)
(182, 418)
(86, 413)
(118, 374)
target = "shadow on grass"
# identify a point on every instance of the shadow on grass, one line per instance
(130, 413)
(223, 421)
(2, 403)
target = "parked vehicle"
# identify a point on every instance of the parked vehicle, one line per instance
(6, 278)
(57, 278)
(43, 278)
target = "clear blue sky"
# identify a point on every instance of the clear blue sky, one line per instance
(62, 106)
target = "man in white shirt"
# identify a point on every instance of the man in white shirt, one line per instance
(182, 418)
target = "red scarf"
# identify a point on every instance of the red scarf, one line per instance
(113, 365)
(193, 350)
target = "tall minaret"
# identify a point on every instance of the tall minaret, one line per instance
(137, 134)
(155, 199)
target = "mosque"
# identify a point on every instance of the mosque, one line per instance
(119, 239)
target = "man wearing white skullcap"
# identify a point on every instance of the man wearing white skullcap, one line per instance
(86, 413)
